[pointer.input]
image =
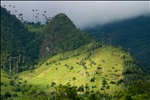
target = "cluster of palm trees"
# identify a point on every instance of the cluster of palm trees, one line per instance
(35, 16)
(12, 10)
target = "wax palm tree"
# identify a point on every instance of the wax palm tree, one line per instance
(38, 17)
(10, 64)
(74, 78)
(13, 9)
(10, 8)
(33, 15)
(35, 19)
(105, 86)
(36, 14)
(15, 12)
(45, 11)
(114, 38)
(43, 18)
(110, 40)
(102, 38)
(92, 80)
(20, 17)
(36, 11)
(87, 88)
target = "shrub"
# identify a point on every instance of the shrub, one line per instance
(25, 81)
(20, 78)
(47, 63)
(14, 95)
(126, 97)
(1, 83)
(18, 89)
(12, 82)
(7, 95)
(93, 97)
(112, 82)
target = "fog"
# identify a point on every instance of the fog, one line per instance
(82, 13)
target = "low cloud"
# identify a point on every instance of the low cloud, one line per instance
(83, 13)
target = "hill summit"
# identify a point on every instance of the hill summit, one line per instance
(62, 35)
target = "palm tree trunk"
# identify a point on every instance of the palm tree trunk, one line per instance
(10, 66)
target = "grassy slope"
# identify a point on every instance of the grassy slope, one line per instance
(5, 79)
(47, 73)
(6, 87)
(34, 28)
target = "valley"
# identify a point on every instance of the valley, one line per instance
(57, 61)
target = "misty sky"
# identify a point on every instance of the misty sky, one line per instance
(82, 13)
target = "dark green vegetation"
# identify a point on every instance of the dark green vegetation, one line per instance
(19, 47)
(72, 64)
(62, 35)
(130, 33)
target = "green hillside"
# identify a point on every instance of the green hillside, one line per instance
(8, 87)
(89, 66)
(64, 66)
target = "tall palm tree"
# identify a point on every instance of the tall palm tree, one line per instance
(36, 14)
(110, 40)
(38, 17)
(9, 59)
(33, 15)
(21, 17)
(43, 18)
(102, 38)
(87, 87)
(104, 87)
(92, 80)
(13, 9)
(74, 78)
(114, 37)
(10, 9)
(15, 12)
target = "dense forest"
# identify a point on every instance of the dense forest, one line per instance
(17, 43)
